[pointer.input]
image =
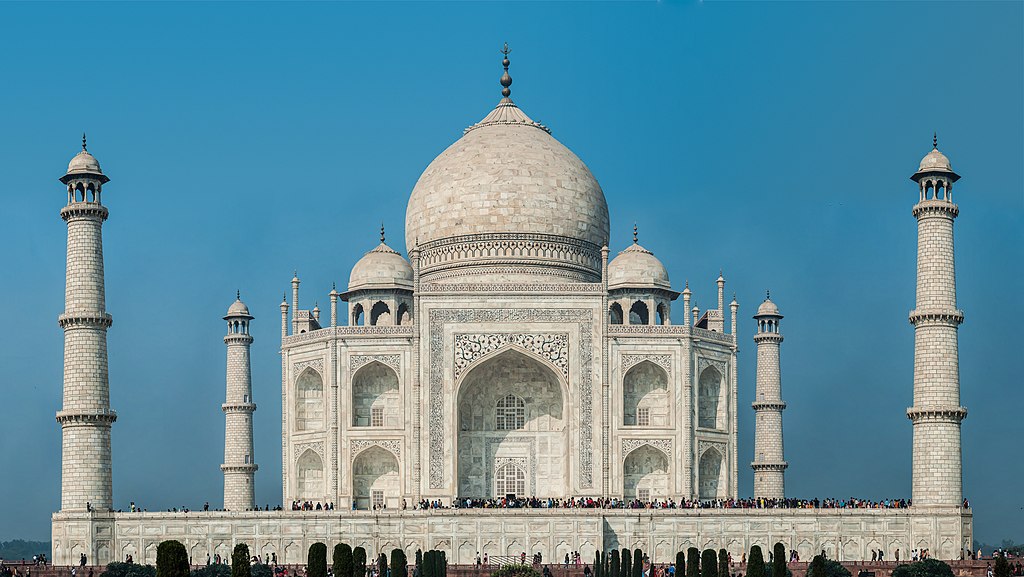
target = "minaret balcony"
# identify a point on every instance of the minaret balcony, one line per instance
(936, 414)
(75, 320)
(101, 416)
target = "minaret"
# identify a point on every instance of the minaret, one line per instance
(769, 464)
(936, 413)
(239, 462)
(85, 417)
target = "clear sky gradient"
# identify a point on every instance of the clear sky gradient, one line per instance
(772, 140)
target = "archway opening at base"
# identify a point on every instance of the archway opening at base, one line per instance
(375, 483)
(309, 474)
(710, 474)
(645, 474)
(512, 426)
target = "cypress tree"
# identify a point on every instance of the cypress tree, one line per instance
(443, 564)
(427, 569)
(708, 563)
(755, 562)
(638, 563)
(419, 562)
(779, 560)
(172, 559)
(398, 563)
(680, 563)
(342, 565)
(613, 566)
(598, 569)
(240, 561)
(316, 561)
(359, 562)
(382, 565)
(723, 563)
(693, 562)
(627, 563)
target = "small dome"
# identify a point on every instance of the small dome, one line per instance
(83, 162)
(768, 308)
(383, 268)
(935, 161)
(637, 267)
(238, 309)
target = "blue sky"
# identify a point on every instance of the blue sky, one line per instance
(772, 140)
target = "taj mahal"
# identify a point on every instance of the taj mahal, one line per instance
(510, 352)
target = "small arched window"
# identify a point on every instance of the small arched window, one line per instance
(638, 313)
(615, 314)
(510, 413)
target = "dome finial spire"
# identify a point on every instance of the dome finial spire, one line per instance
(506, 80)
(83, 142)
(935, 140)
(238, 294)
(382, 232)
(767, 294)
(635, 238)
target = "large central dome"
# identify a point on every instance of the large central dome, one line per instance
(507, 200)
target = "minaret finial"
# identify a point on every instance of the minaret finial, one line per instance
(767, 294)
(635, 237)
(935, 140)
(382, 232)
(238, 294)
(83, 142)
(506, 80)
(334, 286)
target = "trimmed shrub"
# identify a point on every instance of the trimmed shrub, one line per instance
(316, 560)
(598, 567)
(171, 560)
(1001, 568)
(516, 570)
(240, 561)
(755, 562)
(723, 563)
(926, 568)
(398, 563)
(132, 570)
(693, 562)
(638, 563)
(419, 563)
(817, 567)
(211, 570)
(261, 570)
(779, 560)
(708, 563)
(382, 565)
(614, 565)
(342, 560)
(627, 564)
(359, 562)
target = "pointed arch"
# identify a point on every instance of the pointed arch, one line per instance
(639, 314)
(375, 478)
(710, 405)
(645, 395)
(380, 314)
(309, 400)
(646, 473)
(358, 317)
(615, 314)
(309, 475)
(710, 474)
(375, 396)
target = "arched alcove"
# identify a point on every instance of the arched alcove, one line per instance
(645, 474)
(512, 410)
(380, 314)
(710, 407)
(710, 473)
(645, 396)
(309, 475)
(309, 401)
(375, 397)
(375, 479)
